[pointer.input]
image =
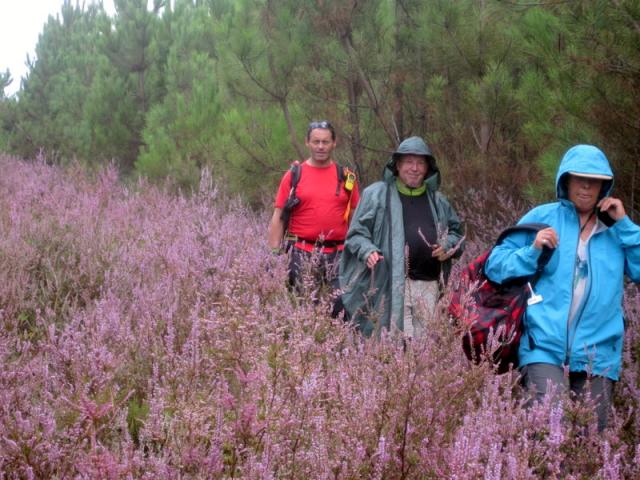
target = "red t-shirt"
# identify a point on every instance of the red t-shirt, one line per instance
(320, 212)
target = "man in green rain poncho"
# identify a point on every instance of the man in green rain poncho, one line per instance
(399, 246)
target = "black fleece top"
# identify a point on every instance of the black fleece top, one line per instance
(417, 217)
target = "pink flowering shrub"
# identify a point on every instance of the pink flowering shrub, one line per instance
(150, 335)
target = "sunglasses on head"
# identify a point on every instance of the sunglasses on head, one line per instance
(321, 124)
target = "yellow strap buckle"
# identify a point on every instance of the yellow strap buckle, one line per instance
(349, 181)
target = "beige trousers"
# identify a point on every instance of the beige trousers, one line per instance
(420, 298)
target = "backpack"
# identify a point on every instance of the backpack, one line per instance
(344, 175)
(483, 309)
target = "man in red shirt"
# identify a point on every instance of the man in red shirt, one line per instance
(327, 194)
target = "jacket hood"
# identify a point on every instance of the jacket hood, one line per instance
(414, 146)
(584, 160)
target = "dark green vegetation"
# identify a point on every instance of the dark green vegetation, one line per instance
(499, 88)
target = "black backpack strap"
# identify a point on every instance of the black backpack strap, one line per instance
(544, 257)
(340, 175)
(521, 227)
(290, 204)
(296, 170)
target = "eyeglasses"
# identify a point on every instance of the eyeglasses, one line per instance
(321, 124)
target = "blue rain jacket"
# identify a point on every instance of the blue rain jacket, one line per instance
(593, 342)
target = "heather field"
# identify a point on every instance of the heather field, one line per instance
(150, 335)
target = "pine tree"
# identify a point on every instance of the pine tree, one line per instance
(582, 84)
(53, 93)
(5, 81)
(180, 133)
(132, 51)
(263, 52)
(7, 113)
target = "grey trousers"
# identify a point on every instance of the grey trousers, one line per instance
(324, 268)
(537, 377)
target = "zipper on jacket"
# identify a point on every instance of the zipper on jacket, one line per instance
(434, 212)
(567, 349)
(585, 297)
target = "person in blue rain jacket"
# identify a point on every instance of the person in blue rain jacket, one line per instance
(573, 335)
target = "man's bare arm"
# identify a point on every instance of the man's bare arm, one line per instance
(276, 230)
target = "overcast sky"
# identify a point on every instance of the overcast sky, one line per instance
(21, 22)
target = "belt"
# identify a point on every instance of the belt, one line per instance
(309, 245)
(321, 243)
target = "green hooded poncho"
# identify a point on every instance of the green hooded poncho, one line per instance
(375, 298)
